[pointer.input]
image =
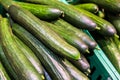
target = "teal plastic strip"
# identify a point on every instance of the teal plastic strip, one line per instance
(102, 62)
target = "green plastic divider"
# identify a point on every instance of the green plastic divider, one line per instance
(102, 68)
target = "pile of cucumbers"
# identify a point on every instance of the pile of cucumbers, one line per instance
(45, 39)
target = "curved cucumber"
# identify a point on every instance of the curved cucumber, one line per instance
(43, 12)
(49, 60)
(43, 32)
(72, 15)
(20, 64)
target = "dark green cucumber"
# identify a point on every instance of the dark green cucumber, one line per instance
(30, 55)
(82, 64)
(7, 65)
(72, 15)
(109, 5)
(5, 62)
(69, 37)
(106, 28)
(19, 62)
(3, 73)
(111, 51)
(91, 7)
(43, 32)
(43, 12)
(48, 59)
(115, 20)
(75, 73)
(73, 30)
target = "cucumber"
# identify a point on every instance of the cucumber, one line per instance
(5, 62)
(112, 6)
(48, 59)
(43, 12)
(43, 32)
(69, 37)
(106, 28)
(115, 20)
(75, 73)
(73, 30)
(91, 7)
(7, 65)
(71, 14)
(3, 73)
(111, 51)
(82, 64)
(31, 56)
(20, 64)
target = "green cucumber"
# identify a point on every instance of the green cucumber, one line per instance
(115, 20)
(71, 14)
(7, 65)
(43, 32)
(109, 5)
(111, 51)
(19, 62)
(43, 12)
(75, 73)
(30, 55)
(106, 28)
(5, 62)
(69, 37)
(91, 7)
(82, 64)
(48, 59)
(3, 73)
(73, 30)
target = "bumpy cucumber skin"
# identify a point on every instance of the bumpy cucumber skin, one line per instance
(43, 12)
(43, 32)
(72, 15)
(20, 64)
(46, 56)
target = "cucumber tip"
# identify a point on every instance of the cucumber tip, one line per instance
(117, 36)
(98, 28)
